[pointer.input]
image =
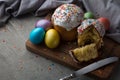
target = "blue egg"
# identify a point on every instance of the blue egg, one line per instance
(37, 35)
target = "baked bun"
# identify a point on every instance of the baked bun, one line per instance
(88, 36)
(94, 34)
(66, 19)
(97, 24)
(84, 53)
(89, 41)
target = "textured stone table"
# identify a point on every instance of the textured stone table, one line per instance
(16, 63)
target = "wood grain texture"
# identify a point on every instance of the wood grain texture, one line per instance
(61, 56)
(17, 63)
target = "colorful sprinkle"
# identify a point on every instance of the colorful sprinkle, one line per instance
(36, 56)
(3, 41)
(52, 64)
(14, 46)
(97, 24)
(68, 16)
(20, 65)
(49, 68)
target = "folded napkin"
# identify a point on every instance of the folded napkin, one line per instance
(104, 8)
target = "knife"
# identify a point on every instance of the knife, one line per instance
(91, 67)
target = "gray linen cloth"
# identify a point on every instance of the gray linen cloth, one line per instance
(104, 8)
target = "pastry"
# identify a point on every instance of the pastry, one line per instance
(89, 41)
(66, 19)
(88, 36)
(84, 53)
(97, 24)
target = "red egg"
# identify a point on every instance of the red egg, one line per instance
(105, 22)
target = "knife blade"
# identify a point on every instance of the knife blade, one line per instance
(91, 67)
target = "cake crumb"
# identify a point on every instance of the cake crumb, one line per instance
(49, 68)
(99, 71)
(64, 58)
(3, 41)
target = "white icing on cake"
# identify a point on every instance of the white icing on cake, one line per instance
(67, 16)
(98, 25)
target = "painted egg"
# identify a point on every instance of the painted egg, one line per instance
(52, 38)
(37, 35)
(44, 23)
(105, 22)
(88, 15)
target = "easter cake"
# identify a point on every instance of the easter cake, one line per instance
(66, 19)
(89, 35)
(68, 25)
(90, 39)
(85, 53)
(89, 42)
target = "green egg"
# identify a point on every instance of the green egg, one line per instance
(88, 15)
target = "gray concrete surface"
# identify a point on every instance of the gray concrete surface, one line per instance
(16, 63)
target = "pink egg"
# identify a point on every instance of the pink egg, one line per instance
(44, 23)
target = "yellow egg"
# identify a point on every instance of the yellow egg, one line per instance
(52, 38)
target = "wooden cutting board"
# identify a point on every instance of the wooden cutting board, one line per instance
(60, 55)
